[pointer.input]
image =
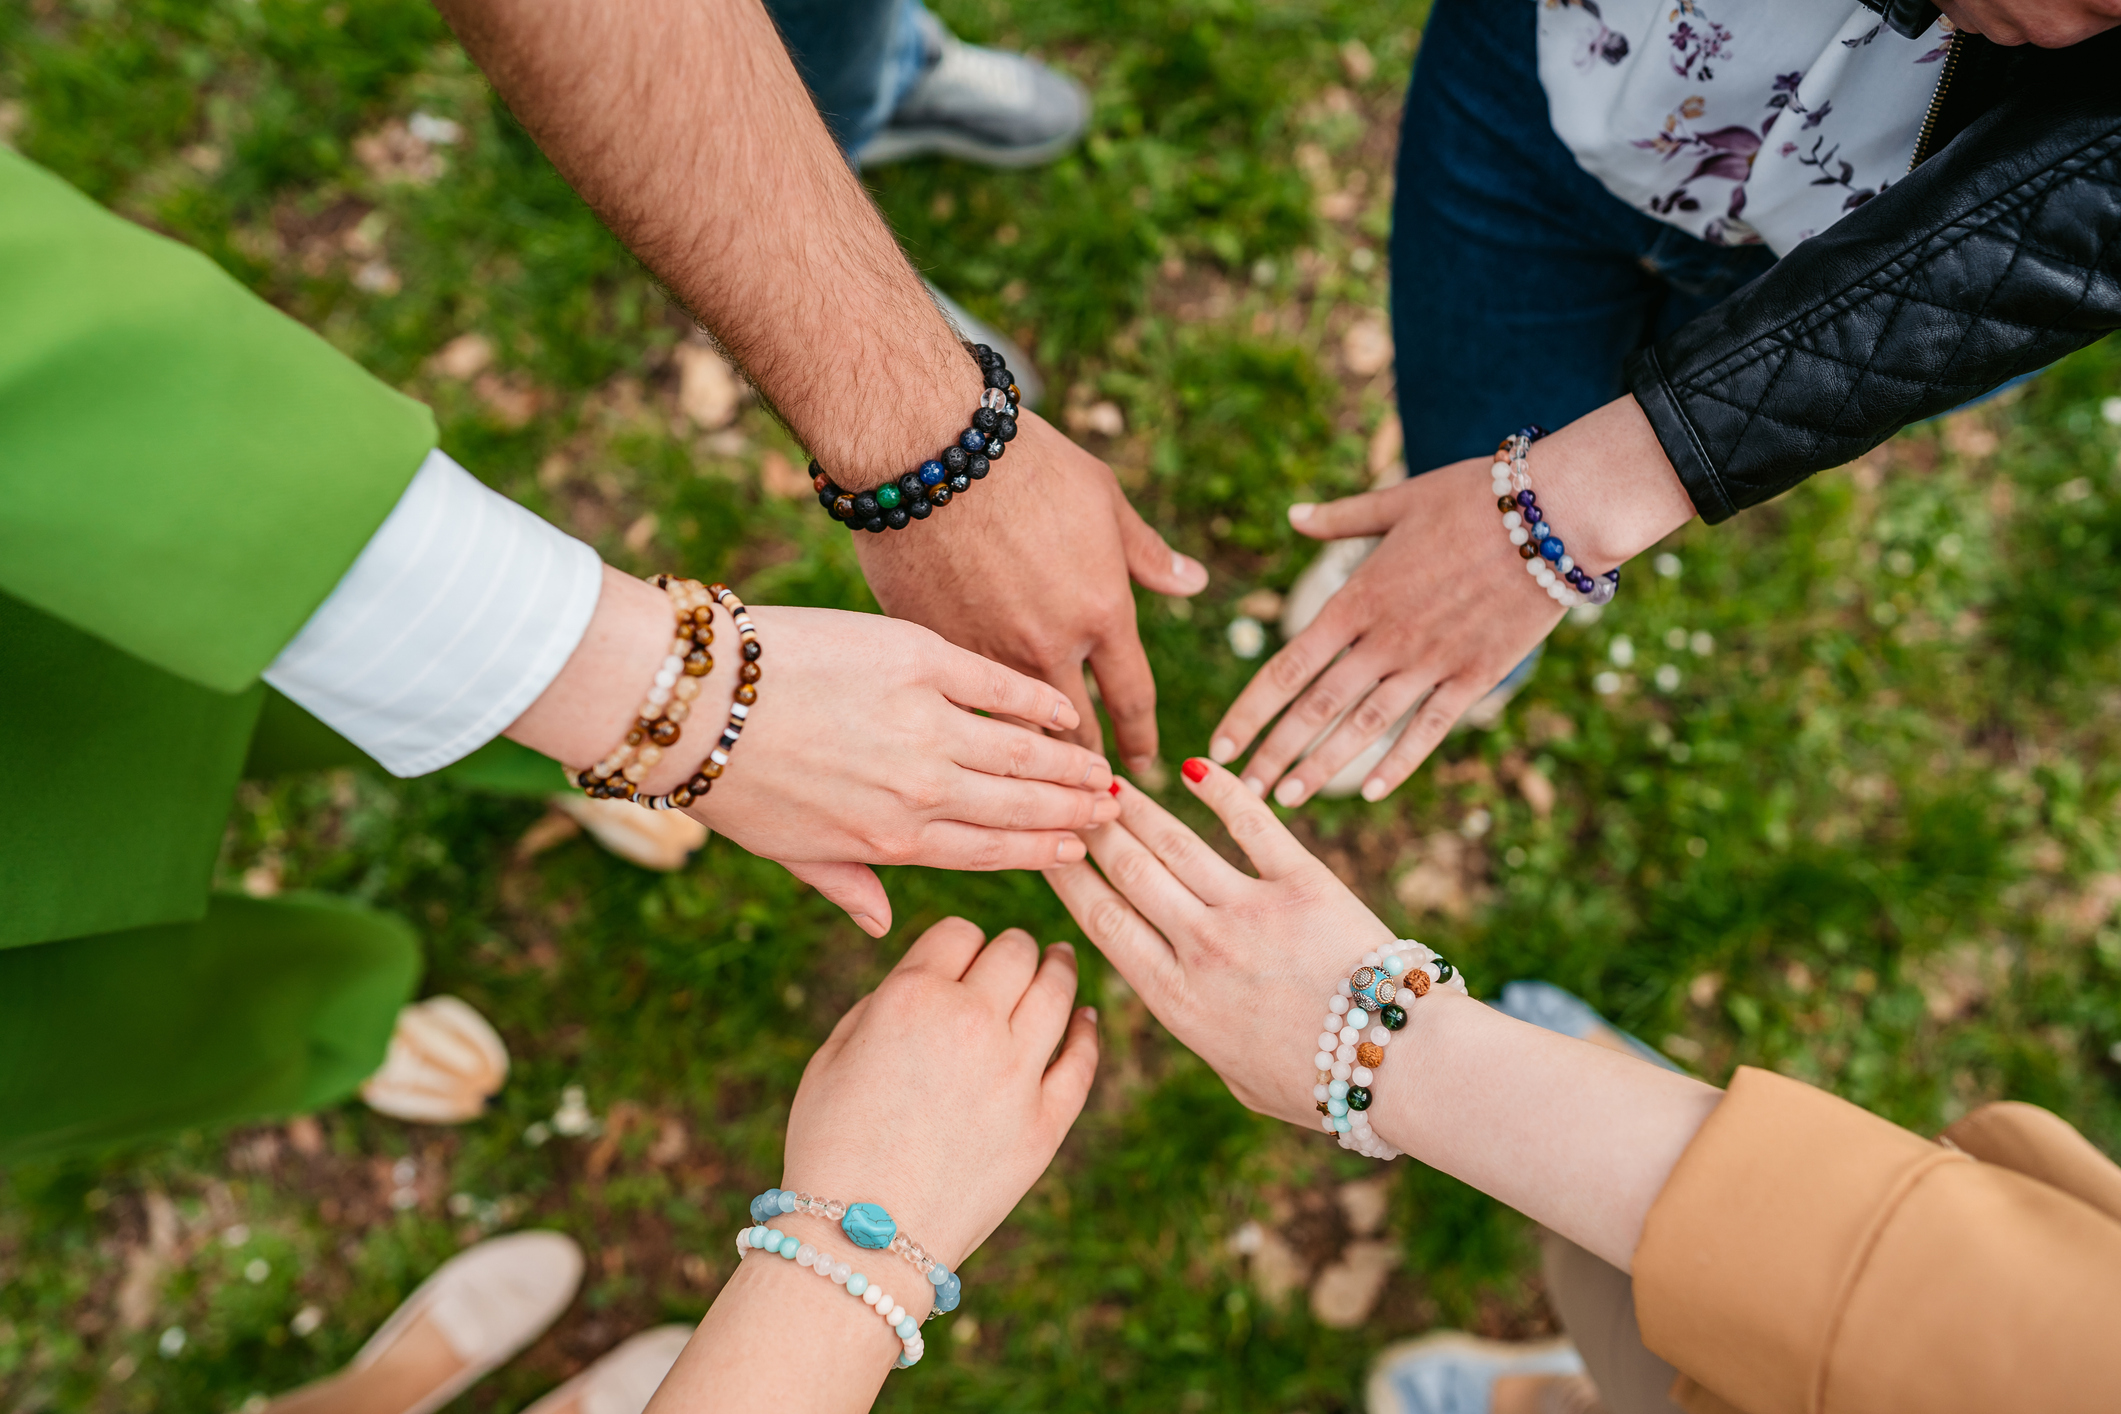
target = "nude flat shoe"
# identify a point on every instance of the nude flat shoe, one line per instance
(654, 839)
(624, 1380)
(489, 1302)
(444, 1062)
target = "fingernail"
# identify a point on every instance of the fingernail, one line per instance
(1068, 948)
(1194, 769)
(1222, 750)
(1070, 850)
(1301, 512)
(1290, 791)
(1115, 790)
(868, 925)
(1256, 785)
(1374, 789)
(1056, 721)
(1091, 1012)
(1139, 765)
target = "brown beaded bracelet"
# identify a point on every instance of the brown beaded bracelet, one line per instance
(657, 723)
(747, 693)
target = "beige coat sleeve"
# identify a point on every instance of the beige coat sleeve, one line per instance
(1807, 1257)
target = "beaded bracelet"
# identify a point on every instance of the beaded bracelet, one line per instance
(1374, 996)
(747, 692)
(656, 725)
(920, 492)
(786, 1244)
(1538, 543)
(866, 1225)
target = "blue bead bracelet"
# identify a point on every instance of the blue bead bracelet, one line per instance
(868, 1226)
(1546, 556)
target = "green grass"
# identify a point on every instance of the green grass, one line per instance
(1869, 836)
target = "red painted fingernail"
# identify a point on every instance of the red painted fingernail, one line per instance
(1115, 790)
(1196, 769)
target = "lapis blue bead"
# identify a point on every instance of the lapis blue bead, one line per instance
(1550, 548)
(932, 473)
(972, 440)
(949, 1294)
(868, 1225)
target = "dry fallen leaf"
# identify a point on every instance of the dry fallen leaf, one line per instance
(1366, 347)
(709, 393)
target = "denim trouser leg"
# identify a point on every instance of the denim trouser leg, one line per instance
(859, 57)
(1519, 284)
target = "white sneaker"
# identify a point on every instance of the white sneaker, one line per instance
(623, 1380)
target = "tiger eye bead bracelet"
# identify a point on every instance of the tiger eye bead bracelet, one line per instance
(741, 701)
(658, 722)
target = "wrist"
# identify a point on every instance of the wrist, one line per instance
(913, 422)
(1606, 478)
(884, 1268)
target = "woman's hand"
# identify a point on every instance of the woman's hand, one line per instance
(939, 1095)
(1443, 609)
(865, 748)
(1237, 968)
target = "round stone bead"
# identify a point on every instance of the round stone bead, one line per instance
(1393, 1017)
(1358, 1097)
(955, 460)
(898, 518)
(910, 486)
(1444, 971)
(1550, 548)
(987, 420)
(921, 508)
(949, 1294)
(941, 495)
(932, 473)
(842, 1273)
(888, 495)
(995, 448)
(906, 1328)
(972, 440)
(1338, 1090)
(961, 482)
(789, 1246)
(976, 467)
(865, 505)
(857, 1284)
(786, 1200)
(1358, 1018)
(998, 378)
(843, 507)
(938, 1274)
(1336, 1108)
(1007, 431)
(1506, 503)
(1370, 1055)
(1323, 1060)
(1525, 497)
(868, 1225)
(806, 1256)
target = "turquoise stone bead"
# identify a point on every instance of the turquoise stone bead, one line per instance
(789, 1244)
(857, 1284)
(773, 1239)
(1341, 1124)
(906, 1328)
(1336, 1108)
(867, 1225)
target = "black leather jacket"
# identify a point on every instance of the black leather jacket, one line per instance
(1994, 257)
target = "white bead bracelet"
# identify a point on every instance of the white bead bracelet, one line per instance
(1366, 1008)
(773, 1241)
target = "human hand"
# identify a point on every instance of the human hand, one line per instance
(939, 1095)
(1232, 965)
(864, 748)
(2050, 24)
(1442, 610)
(1032, 570)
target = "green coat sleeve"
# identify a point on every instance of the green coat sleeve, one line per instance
(185, 472)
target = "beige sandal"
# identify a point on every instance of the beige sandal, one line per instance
(624, 1380)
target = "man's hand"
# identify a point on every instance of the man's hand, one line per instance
(1443, 609)
(1031, 569)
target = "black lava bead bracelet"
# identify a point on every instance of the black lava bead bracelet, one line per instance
(933, 484)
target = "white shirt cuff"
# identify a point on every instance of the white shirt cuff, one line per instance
(459, 612)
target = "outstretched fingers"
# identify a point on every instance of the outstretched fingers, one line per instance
(1369, 513)
(1129, 692)
(947, 950)
(1280, 679)
(1274, 852)
(1430, 725)
(854, 887)
(1068, 1079)
(987, 686)
(1042, 1011)
(1141, 954)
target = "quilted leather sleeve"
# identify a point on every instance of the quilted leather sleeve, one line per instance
(1993, 258)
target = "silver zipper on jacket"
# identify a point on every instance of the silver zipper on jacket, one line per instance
(1944, 82)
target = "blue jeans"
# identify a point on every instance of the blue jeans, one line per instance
(1519, 284)
(859, 57)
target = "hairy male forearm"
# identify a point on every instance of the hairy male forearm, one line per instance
(685, 126)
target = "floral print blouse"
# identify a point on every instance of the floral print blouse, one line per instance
(1741, 121)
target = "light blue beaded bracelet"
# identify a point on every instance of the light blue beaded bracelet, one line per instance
(866, 1225)
(774, 1242)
